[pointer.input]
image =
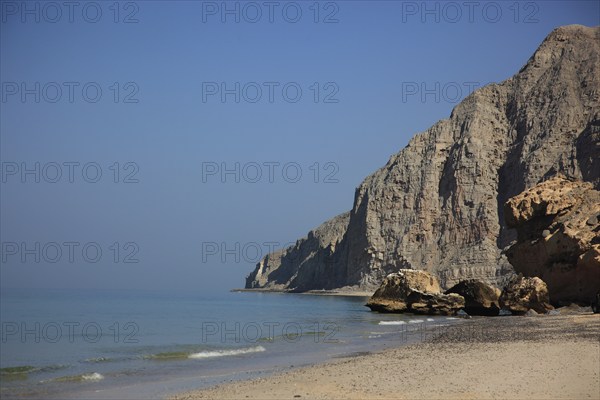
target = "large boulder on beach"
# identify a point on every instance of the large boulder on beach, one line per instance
(435, 303)
(558, 237)
(522, 294)
(480, 298)
(416, 292)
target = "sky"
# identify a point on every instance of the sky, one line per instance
(169, 145)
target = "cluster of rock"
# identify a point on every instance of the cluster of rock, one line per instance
(419, 292)
(557, 256)
(437, 205)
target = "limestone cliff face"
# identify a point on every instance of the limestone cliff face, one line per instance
(437, 205)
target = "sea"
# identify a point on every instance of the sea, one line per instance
(111, 344)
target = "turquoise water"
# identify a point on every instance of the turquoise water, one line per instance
(133, 345)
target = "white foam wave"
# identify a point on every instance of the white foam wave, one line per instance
(392, 322)
(224, 353)
(415, 321)
(92, 377)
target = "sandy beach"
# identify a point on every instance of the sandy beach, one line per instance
(542, 357)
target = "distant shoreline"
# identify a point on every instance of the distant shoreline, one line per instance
(484, 358)
(337, 292)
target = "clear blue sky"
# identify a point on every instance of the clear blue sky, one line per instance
(369, 62)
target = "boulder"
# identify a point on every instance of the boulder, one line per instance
(435, 303)
(558, 237)
(523, 294)
(480, 298)
(416, 292)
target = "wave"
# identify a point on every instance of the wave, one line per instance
(169, 355)
(93, 377)
(184, 355)
(412, 321)
(23, 371)
(224, 353)
(290, 336)
(99, 360)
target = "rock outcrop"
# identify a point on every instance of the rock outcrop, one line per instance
(558, 237)
(310, 260)
(416, 292)
(523, 294)
(480, 298)
(437, 205)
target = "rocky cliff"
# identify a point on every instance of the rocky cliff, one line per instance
(311, 259)
(437, 205)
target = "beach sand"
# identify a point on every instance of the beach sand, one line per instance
(543, 357)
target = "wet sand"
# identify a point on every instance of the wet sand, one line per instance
(543, 357)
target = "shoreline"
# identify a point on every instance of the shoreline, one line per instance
(483, 358)
(336, 292)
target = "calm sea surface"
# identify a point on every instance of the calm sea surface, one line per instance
(143, 345)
